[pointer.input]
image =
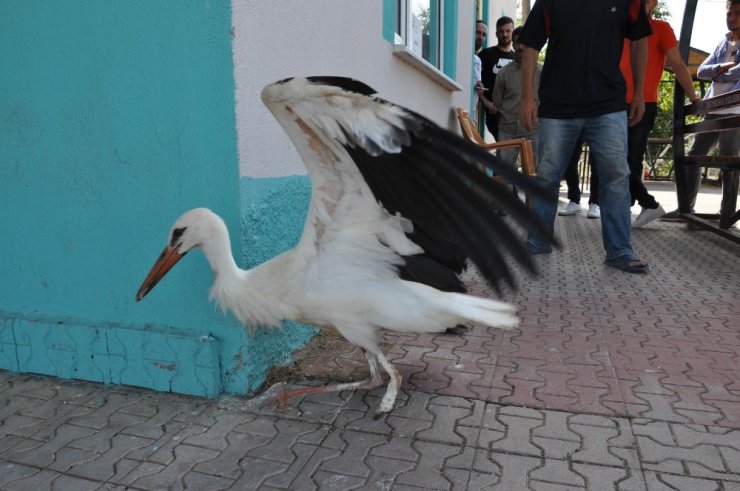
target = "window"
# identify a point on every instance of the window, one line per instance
(419, 28)
(424, 33)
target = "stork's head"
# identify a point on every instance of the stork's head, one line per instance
(189, 231)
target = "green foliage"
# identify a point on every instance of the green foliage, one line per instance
(425, 15)
(661, 11)
(663, 127)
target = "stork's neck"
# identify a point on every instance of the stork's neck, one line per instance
(218, 253)
(251, 299)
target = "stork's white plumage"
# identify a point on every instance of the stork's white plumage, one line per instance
(397, 207)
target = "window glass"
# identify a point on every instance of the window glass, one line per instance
(420, 28)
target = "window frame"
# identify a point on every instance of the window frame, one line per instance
(443, 42)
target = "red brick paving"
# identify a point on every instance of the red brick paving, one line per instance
(665, 345)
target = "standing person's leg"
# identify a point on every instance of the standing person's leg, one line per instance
(557, 138)
(594, 211)
(571, 173)
(510, 154)
(637, 137)
(607, 138)
(571, 180)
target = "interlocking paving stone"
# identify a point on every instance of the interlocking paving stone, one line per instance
(106, 465)
(612, 381)
(172, 476)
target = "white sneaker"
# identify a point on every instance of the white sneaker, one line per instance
(647, 215)
(571, 208)
(593, 211)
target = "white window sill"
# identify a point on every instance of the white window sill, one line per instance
(416, 61)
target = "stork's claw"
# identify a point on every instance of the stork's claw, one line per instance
(282, 401)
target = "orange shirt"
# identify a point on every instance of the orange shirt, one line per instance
(659, 42)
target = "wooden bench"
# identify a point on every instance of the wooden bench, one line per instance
(719, 223)
(729, 165)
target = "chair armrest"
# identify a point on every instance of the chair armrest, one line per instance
(518, 143)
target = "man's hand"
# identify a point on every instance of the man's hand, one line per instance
(724, 67)
(637, 111)
(488, 106)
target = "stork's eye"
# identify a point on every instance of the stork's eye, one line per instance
(176, 234)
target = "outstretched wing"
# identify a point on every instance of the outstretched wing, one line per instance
(358, 147)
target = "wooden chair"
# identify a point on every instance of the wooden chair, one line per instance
(526, 155)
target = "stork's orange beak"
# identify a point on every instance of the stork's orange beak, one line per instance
(164, 263)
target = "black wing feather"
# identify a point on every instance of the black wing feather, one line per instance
(434, 182)
(348, 84)
(442, 206)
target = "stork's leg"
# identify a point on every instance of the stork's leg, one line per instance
(395, 383)
(375, 380)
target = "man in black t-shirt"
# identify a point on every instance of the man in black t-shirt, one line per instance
(582, 95)
(493, 59)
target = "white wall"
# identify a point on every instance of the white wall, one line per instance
(279, 39)
(500, 8)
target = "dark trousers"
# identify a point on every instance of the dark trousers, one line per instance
(572, 179)
(492, 123)
(637, 137)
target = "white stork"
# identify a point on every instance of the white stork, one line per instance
(398, 205)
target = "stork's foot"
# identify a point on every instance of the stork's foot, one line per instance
(282, 400)
(386, 405)
(389, 399)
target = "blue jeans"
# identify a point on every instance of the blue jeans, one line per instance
(606, 136)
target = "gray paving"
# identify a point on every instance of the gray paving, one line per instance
(75, 435)
(536, 421)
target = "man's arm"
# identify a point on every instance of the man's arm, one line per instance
(712, 67)
(638, 60)
(728, 72)
(528, 109)
(497, 97)
(488, 105)
(683, 76)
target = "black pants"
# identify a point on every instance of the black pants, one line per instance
(492, 123)
(572, 179)
(637, 137)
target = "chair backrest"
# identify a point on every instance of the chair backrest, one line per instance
(468, 127)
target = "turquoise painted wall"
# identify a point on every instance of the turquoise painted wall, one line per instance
(115, 117)
(273, 213)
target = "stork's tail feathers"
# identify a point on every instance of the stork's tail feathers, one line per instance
(483, 311)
